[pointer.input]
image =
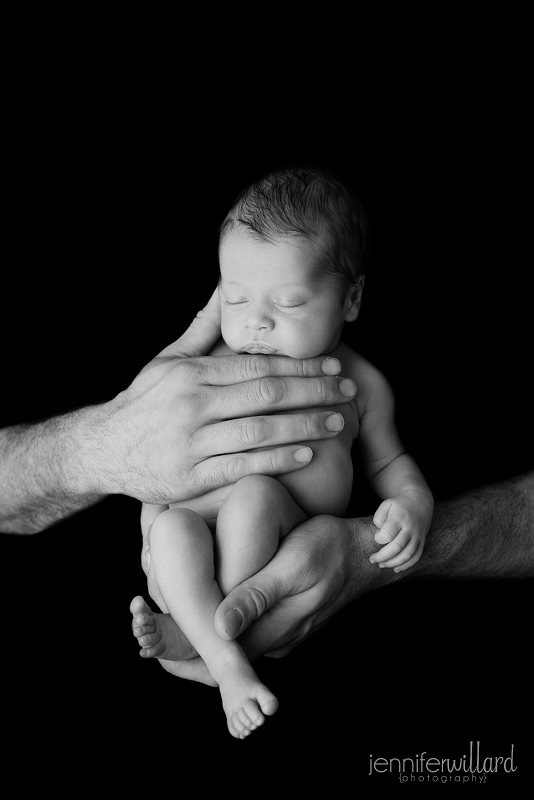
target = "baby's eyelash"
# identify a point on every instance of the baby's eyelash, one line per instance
(278, 305)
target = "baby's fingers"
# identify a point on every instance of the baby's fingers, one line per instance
(406, 557)
(388, 531)
(392, 549)
(413, 560)
(381, 514)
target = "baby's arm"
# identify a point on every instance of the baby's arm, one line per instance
(405, 514)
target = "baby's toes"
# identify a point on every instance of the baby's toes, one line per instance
(148, 640)
(143, 621)
(267, 701)
(146, 630)
(253, 712)
(240, 730)
(246, 720)
(152, 651)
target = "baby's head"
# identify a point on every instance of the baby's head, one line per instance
(291, 254)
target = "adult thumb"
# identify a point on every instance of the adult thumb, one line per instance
(246, 603)
(201, 335)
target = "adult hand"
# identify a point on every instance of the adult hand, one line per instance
(319, 567)
(324, 564)
(184, 424)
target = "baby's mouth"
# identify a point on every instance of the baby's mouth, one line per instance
(258, 347)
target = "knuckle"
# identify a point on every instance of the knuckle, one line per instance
(233, 469)
(269, 461)
(255, 366)
(310, 426)
(271, 390)
(187, 369)
(257, 600)
(252, 430)
(303, 368)
(322, 389)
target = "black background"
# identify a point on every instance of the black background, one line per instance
(112, 212)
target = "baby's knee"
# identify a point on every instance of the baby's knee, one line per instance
(258, 495)
(259, 487)
(172, 522)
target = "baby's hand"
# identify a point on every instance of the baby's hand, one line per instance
(404, 522)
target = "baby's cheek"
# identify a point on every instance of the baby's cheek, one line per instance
(306, 345)
(229, 335)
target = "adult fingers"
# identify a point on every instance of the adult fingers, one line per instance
(268, 395)
(225, 370)
(222, 470)
(201, 335)
(248, 432)
(249, 601)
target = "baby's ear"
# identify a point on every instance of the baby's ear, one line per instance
(354, 300)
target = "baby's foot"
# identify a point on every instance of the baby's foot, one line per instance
(158, 634)
(246, 700)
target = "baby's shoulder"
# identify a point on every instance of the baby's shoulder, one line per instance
(373, 386)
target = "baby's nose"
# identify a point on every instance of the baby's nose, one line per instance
(259, 326)
(259, 321)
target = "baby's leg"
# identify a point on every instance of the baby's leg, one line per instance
(181, 549)
(250, 524)
(257, 513)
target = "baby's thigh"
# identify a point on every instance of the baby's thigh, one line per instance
(324, 486)
(257, 513)
(258, 504)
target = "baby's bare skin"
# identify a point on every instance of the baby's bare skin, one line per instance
(180, 537)
(323, 487)
(273, 300)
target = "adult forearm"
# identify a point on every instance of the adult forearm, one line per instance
(50, 469)
(323, 564)
(486, 533)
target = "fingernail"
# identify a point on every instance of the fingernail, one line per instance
(347, 387)
(334, 422)
(331, 366)
(232, 622)
(303, 455)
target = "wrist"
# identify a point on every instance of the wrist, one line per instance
(89, 463)
(419, 493)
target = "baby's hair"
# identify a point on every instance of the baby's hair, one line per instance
(311, 202)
